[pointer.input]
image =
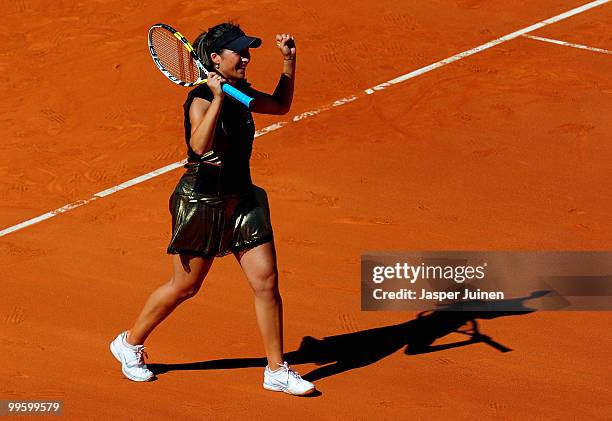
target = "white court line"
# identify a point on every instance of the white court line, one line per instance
(312, 113)
(96, 196)
(568, 44)
(486, 46)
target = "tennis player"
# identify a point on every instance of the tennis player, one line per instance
(216, 210)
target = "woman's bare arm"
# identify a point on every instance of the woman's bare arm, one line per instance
(203, 116)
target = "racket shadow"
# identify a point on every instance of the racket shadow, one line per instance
(339, 353)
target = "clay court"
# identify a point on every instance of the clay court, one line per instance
(504, 148)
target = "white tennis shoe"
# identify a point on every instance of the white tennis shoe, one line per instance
(131, 358)
(286, 380)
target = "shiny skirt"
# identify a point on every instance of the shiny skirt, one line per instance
(211, 224)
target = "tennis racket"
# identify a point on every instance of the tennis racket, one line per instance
(177, 60)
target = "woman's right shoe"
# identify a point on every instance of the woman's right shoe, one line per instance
(131, 358)
(286, 380)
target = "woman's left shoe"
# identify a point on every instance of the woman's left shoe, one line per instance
(286, 380)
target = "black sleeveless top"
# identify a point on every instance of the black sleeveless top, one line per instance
(225, 168)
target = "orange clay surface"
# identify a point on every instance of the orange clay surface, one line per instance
(508, 149)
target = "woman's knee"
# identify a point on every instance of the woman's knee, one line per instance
(182, 290)
(266, 285)
(189, 273)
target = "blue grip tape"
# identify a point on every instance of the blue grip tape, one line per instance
(236, 94)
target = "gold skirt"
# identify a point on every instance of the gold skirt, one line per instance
(209, 224)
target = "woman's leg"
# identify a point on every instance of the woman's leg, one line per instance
(188, 274)
(259, 266)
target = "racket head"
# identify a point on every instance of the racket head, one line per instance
(175, 57)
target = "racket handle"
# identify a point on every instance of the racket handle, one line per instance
(237, 95)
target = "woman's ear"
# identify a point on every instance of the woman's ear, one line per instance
(215, 58)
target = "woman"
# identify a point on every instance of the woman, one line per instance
(216, 209)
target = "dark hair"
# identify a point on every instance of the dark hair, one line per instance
(203, 42)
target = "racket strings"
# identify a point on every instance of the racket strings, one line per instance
(173, 55)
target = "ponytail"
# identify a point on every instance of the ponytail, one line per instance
(200, 48)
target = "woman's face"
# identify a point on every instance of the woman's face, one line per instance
(233, 64)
